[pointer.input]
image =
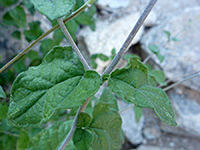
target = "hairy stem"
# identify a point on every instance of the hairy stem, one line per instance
(73, 44)
(74, 14)
(130, 37)
(71, 132)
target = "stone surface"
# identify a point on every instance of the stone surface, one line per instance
(150, 20)
(183, 56)
(186, 104)
(132, 130)
(154, 148)
(163, 8)
(114, 3)
(108, 35)
(152, 133)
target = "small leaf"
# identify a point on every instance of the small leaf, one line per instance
(84, 120)
(155, 49)
(59, 82)
(168, 35)
(82, 139)
(34, 32)
(2, 93)
(113, 53)
(17, 35)
(52, 138)
(54, 9)
(15, 17)
(159, 76)
(23, 140)
(46, 46)
(138, 113)
(127, 57)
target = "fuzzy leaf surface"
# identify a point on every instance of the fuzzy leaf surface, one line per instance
(131, 84)
(60, 81)
(54, 9)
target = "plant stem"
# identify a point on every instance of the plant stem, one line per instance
(73, 44)
(181, 81)
(126, 108)
(147, 58)
(74, 14)
(71, 132)
(130, 37)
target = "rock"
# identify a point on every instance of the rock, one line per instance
(163, 8)
(113, 3)
(182, 57)
(153, 148)
(186, 104)
(150, 20)
(152, 133)
(132, 130)
(108, 35)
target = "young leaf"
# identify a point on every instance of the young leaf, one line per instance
(131, 84)
(108, 98)
(159, 76)
(51, 139)
(17, 35)
(34, 32)
(54, 9)
(60, 81)
(84, 120)
(2, 93)
(155, 49)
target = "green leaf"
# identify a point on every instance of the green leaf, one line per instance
(17, 35)
(15, 17)
(72, 27)
(104, 131)
(168, 35)
(59, 82)
(23, 140)
(138, 113)
(155, 49)
(34, 57)
(29, 6)
(108, 98)
(131, 84)
(159, 76)
(7, 3)
(20, 66)
(82, 139)
(54, 9)
(127, 57)
(84, 120)
(157, 99)
(34, 32)
(113, 53)
(52, 138)
(46, 46)
(2, 93)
